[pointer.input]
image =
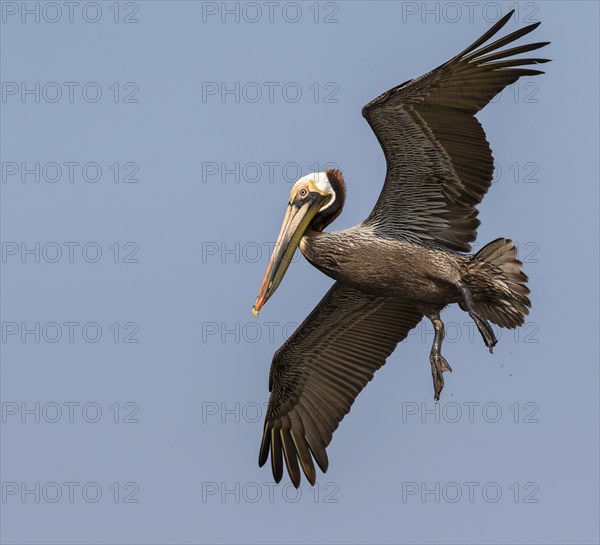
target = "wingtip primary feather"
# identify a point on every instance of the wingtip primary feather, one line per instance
(276, 455)
(265, 445)
(304, 456)
(289, 454)
(320, 456)
(486, 36)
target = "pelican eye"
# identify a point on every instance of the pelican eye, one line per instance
(303, 192)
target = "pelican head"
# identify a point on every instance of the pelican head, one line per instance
(315, 201)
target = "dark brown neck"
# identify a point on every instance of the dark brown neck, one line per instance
(326, 216)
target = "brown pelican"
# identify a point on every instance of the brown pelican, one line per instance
(405, 261)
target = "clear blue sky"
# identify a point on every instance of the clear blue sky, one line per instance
(126, 322)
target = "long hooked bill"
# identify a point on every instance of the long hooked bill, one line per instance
(296, 220)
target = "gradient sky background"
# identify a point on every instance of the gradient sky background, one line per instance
(191, 245)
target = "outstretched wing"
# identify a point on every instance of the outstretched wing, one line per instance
(316, 375)
(439, 163)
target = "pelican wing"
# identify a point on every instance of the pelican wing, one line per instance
(439, 163)
(316, 375)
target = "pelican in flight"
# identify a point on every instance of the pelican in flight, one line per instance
(407, 260)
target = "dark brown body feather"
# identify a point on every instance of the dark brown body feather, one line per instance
(384, 266)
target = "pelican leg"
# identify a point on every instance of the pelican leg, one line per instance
(438, 362)
(482, 324)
